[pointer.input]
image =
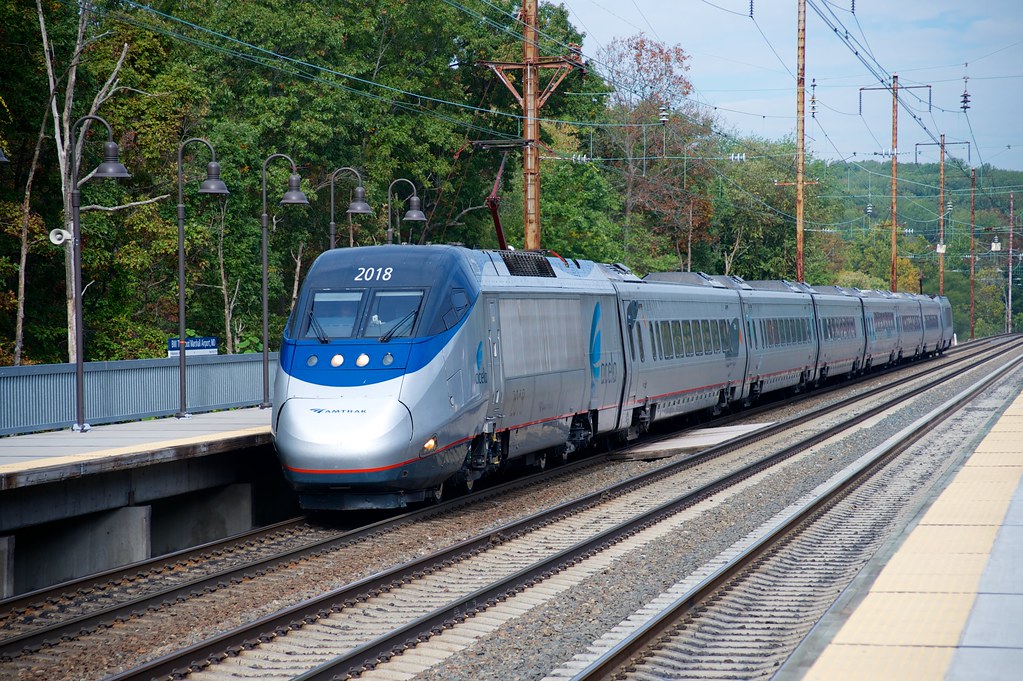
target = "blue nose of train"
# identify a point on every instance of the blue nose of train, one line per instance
(360, 440)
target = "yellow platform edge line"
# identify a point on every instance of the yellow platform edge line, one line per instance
(25, 466)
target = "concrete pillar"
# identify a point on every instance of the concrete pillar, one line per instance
(194, 519)
(58, 552)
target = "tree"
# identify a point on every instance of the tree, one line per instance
(63, 113)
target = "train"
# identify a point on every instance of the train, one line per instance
(409, 371)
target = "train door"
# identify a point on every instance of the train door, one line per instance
(495, 409)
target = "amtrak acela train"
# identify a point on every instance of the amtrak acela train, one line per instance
(407, 370)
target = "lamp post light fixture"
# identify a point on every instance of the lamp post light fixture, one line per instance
(110, 168)
(413, 214)
(211, 185)
(294, 195)
(357, 206)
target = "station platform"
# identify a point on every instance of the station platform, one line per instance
(948, 603)
(74, 503)
(38, 458)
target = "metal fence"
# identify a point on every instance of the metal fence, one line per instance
(42, 397)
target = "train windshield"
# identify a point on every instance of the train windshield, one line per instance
(361, 313)
(392, 314)
(333, 314)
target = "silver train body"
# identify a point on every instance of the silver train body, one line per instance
(407, 368)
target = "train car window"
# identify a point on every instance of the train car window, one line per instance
(333, 314)
(676, 336)
(632, 343)
(667, 349)
(392, 314)
(459, 301)
(708, 344)
(733, 338)
(687, 338)
(697, 338)
(723, 332)
(655, 353)
(639, 341)
(715, 335)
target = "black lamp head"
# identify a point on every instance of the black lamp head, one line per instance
(414, 212)
(213, 184)
(111, 167)
(294, 195)
(358, 206)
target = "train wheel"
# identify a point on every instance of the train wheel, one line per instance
(438, 493)
(540, 460)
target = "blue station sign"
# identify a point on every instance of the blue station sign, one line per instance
(198, 345)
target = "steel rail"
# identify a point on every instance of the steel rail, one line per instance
(204, 653)
(106, 615)
(630, 647)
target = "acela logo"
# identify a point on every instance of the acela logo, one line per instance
(595, 343)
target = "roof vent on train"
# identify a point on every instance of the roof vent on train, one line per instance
(689, 278)
(779, 285)
(618, 271)
(832, 290)
(527, 264)
(733, 281)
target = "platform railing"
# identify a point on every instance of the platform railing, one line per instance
(42, 397)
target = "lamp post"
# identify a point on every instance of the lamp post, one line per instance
(357, 206)
(111, 167)
(294, 195)
(413, 214)
(212, 185)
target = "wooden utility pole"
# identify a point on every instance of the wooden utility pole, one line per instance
(944, 210)
(800, 135)
(1008, 302)
(941, 219)
(973, 245)
(531, 99)
(895, 165)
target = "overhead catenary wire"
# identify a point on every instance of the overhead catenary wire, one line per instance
(299, 68)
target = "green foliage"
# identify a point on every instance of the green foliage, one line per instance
(394, 89)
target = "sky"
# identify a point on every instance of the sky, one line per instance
(746, 68)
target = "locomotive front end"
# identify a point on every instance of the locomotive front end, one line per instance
(369, 336)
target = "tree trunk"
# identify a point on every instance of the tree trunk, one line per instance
(298, 276)
(19, 331)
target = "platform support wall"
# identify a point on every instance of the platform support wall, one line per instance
(6, 567)
(195, 519)
(83, 546)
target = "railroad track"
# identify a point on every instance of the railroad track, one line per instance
(352, 629)
(33, 621)
(822, 541)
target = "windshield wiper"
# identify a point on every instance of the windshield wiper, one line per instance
(317, 328)
(401, 322)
